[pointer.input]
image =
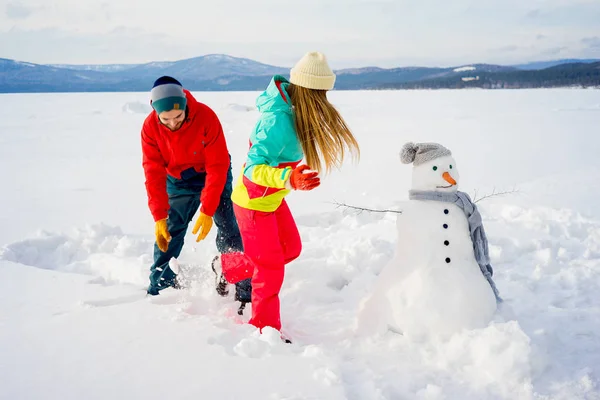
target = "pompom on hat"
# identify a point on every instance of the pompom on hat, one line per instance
(313, 72)
(419, 153)
(167, 94)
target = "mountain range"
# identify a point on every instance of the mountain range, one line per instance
(218, 72)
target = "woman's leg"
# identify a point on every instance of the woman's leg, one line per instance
(262, 245)
(289, 237)
(270, 240)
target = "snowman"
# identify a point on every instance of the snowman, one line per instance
(440, 279)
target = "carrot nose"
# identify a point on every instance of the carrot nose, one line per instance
(448, 178)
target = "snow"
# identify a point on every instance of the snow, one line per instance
(218, 57)
(77, 238)
(137, 107)
(463, 69)
(83, 77)
(159, 64)
(241, 107)
(96, 67)
(469, 78)
(25, 64)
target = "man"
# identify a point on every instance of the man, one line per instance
(187, 164)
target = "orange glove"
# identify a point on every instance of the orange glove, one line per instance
(304, 181)
(163, 237)
(203, 223)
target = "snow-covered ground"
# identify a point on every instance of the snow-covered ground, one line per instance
(76, 239)
(463, 69)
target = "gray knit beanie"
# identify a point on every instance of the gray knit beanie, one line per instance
(167, 94)
(420, 153)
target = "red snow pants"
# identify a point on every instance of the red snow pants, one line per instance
(271, 240)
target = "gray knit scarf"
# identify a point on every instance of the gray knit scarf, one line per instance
(478, 236)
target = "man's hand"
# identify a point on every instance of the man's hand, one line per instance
(203, 224)
(163, 237)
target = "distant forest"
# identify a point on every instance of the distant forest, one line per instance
(578, 74)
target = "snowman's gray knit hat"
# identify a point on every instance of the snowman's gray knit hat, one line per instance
(419, 153)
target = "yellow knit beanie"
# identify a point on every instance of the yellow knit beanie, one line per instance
(313, 72)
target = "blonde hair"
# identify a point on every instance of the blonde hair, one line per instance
(324, 136)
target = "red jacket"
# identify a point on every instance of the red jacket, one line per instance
(199, 143)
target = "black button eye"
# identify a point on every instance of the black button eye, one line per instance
(445, 226)
(448, 260)
(446, 211)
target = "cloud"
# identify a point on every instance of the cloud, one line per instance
(17, 11)
(574, 14)
(554, 51)
(386, 33)
(591, 42)
(57, 46)
(507, 49)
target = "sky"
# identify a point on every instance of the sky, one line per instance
(352, 33)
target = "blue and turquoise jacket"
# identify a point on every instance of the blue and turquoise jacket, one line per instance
(274, 151)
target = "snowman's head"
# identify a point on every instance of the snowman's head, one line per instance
(434, 168)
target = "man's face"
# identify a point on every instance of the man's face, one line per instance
(172, 119)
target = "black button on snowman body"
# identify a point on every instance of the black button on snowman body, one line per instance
(446, 242)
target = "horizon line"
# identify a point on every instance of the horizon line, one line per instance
(277, 66)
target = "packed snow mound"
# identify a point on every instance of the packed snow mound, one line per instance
(99, 250)
(499, 353)
(136, 107)
(240, 107)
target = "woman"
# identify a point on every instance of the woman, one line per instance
(297, 121)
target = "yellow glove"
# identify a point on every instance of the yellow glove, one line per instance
(163, 237)
(203, 223)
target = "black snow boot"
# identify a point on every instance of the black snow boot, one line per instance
(220, 282)
(242, 307)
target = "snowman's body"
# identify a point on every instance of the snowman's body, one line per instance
(433, 284)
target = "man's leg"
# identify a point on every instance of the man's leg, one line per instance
(182, 208)
(228, 236)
